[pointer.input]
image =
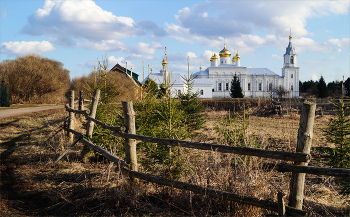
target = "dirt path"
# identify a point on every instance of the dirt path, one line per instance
(14, 112)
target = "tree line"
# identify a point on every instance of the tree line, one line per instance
(321, 89)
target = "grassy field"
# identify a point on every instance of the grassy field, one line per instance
(32, 183)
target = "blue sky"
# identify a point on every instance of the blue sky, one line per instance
(78, 32)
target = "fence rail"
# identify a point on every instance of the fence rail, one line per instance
(300, 159)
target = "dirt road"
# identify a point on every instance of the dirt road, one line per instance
(14, 112)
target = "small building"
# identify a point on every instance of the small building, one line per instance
(126, 82)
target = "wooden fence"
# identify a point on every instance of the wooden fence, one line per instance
(129, 166)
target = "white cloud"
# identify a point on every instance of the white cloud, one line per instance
(314, 77)
(67, 21)
(25, 47)
(112, 60)
(231, 18)
(276, 56)
(339, 50)
(141, 48)
(191, 55)
(117, 46)
(179, 33)
(309, 45)
(139, 57)
(104, 45)
(344, 42)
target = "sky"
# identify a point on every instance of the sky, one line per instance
(79, 33)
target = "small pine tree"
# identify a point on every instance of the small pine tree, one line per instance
(236, 90)
(194, 118)
(151, 88)
(337, 132)
(4, 96)
(322, 88)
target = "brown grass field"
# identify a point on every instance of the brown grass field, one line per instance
(33, 184)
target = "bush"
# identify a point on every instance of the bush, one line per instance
(33, 79)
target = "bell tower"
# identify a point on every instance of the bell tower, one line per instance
(290, 70)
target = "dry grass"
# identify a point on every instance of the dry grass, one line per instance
(33, 184)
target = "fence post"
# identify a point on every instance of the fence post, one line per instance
(90, 124)
(305, 134)
(130, 144)
(93, 109)
(81, 99)
(71, 116)
(281, 206)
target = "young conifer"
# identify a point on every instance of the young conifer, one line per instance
(236, 90)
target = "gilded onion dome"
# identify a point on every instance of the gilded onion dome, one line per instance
(237, 55)
(164, 62)
(211, 59)
(215, 57)
(224, 52)
(234, 58)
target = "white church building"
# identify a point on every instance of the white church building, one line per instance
(215, 81)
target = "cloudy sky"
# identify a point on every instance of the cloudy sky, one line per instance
(78, 32)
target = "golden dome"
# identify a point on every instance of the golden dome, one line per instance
(164, 62)
(215, 57)
(224, 52)
(238, 56)
(234, 58)
(290, 35)
(212, 58)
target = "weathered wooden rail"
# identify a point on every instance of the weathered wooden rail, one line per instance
(299, 169)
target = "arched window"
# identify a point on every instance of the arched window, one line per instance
(248, 86)
(291, 87)
(219, 86)
(202, 92)
(291, 75)
(292, 60)
(179, 91)
(260, 86)
(227, 84)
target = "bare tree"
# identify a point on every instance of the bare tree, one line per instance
(279, 92)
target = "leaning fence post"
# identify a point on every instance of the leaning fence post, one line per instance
(90, 124)
(71, 116)
(305, 134)
(93, 109)
(130, 144)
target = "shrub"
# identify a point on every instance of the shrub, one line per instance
(4, 96)
(35, 79)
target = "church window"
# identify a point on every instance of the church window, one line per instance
(219, 86)
(179, 91)
(260, 86)
(270, 86)
(202, 92)
(291, 87)
(227, 86)
(291, 76)
(292, 60)
(248, 86)
(212, 90)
